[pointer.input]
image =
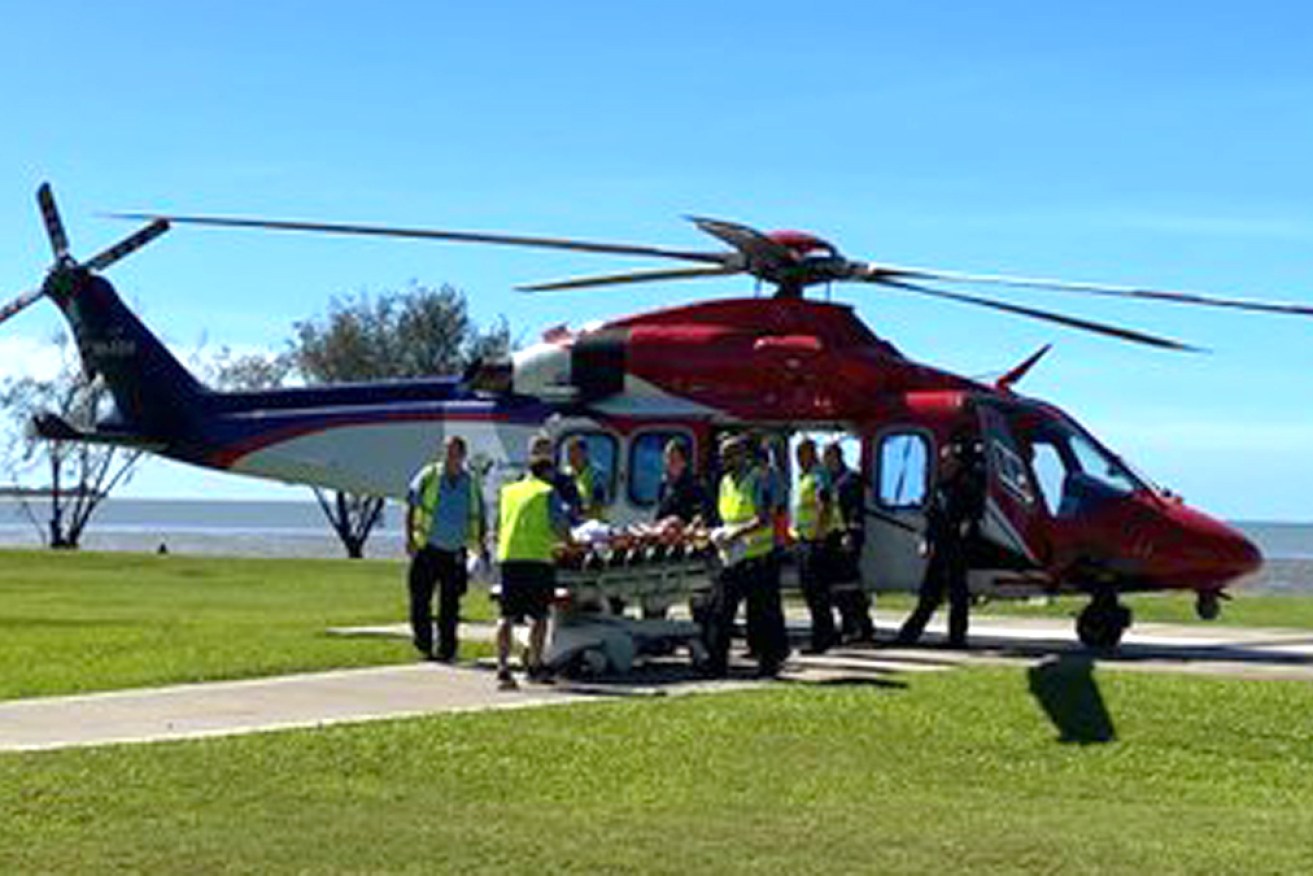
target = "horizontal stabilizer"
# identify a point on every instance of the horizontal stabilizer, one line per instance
(53, 427)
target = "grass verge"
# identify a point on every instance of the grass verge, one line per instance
(957, 771)
(76, 622)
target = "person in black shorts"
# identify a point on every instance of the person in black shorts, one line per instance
(532, 522)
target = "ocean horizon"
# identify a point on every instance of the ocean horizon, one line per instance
(289, 528)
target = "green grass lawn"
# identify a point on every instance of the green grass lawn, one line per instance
(75, 622)
(94, 621)
(958, 772)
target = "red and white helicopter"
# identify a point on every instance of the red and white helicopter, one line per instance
(1064, 512)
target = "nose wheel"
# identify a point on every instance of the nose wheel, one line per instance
(1208, 604)
(1102, 623)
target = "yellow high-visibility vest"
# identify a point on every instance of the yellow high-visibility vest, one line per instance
(807, 523)
(426, 512)
(585, 481)
(524, 530)
(738, 504)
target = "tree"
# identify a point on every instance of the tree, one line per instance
(249, 371)
(81, 474)
(420, 332)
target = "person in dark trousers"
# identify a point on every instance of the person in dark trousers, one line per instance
(681, 494)
(532, 522)
(957, 505)
(746, 540)
(444, 518)
(812, 517)
(844, 548)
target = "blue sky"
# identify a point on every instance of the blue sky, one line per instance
(1161, 144)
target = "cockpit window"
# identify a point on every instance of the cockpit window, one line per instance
(1072, 471)
(1101, 466)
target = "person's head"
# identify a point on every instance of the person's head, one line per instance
(806, 454)
(541, 467)
(734, 452)
(675, 456)
(540, 445)
(962, 450)
(577, 453)
(454, 454)
(833, 456)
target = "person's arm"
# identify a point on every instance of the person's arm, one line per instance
(560, 518)
(480, 514)
(824, 503)
(413, 497)
(410, 529)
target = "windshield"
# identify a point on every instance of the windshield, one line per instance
(1072, 470)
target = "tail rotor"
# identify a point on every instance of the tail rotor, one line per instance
(45, 198)
(65, 265)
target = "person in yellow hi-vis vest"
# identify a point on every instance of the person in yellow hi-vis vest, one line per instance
(813, 509)
(532, 521)
(588, 481)
(444, 518)
(746, 539)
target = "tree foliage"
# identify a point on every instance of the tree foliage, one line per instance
(81, 475)
(248, 371)
(420, 332)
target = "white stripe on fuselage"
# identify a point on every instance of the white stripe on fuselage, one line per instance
(381, 458)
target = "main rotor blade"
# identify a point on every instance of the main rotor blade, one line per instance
(757, 248)
(45, 198)
(127, 245)
(1034, 313)
(646, 276)
(13, 308)
(435, 234)
(876, 272)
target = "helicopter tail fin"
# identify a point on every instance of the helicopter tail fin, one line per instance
(154, 393)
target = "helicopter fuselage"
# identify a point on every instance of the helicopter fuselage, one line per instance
(1063, 512)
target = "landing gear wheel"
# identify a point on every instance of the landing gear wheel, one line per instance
(1208, 605)
(1101, 623)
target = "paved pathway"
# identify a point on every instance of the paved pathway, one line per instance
(319, 699)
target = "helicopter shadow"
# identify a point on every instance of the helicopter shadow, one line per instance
(1065, 689)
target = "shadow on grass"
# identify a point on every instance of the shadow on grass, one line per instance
(1065, 688)
(851, 681)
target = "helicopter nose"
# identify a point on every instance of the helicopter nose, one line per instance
(1227, 553)
(1214, 552)
(1238, 554)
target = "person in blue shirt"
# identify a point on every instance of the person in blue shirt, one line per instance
(445, 518)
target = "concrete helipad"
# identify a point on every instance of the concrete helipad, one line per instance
(325, 698)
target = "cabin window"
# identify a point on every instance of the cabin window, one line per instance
(1011, 471)
(647, 464)
(902, 474)
(603, 453)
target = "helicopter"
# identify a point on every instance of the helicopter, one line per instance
(1064, 513)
